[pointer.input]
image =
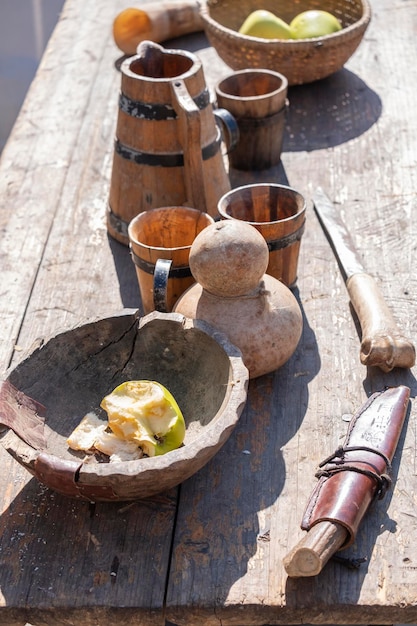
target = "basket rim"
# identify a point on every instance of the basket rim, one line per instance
(337, 37)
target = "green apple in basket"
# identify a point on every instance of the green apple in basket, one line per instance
(264, 24)
(314, 23)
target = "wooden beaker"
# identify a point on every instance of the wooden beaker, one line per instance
(278, 213)
(160, 243)
(257, 99)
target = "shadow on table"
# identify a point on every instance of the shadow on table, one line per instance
(226, 509)
(126, 275)
(64, 561)
(329, 112)
(322, 114)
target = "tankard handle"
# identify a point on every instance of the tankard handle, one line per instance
(229, 127)
(160, 284)
(190, 138)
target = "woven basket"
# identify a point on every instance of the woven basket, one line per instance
(301, 61)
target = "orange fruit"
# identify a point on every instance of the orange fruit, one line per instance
(130, 27)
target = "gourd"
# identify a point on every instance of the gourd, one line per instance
(258, 313)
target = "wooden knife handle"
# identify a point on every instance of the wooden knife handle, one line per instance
(383, 345)
(313, 551)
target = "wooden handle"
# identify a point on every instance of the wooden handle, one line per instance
(311, 554)
(155, 21)
(190, 137)
(383, 345)
(160, 284)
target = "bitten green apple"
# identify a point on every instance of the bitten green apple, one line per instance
(145, 412)
(314, 23)
(264, 24)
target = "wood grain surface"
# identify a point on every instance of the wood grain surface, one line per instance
(211, 552)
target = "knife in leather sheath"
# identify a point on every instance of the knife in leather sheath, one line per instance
(383, 344)
(349, 480)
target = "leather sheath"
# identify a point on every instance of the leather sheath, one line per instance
(359, 471)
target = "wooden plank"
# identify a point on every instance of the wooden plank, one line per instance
(75, 562)
(65, 561)
(34, 165)
(68, 135)
(354, 135)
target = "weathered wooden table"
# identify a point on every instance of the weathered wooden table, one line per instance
(211, 552)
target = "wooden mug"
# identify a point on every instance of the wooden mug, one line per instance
(257, 99)
(278, 213)
(167, 150)
(160, 243)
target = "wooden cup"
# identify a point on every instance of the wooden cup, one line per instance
(160, 241)
(257, 99)
(278, 213)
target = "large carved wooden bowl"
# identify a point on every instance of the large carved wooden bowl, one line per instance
(74, 370)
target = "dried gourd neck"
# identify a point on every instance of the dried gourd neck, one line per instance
(258, 292)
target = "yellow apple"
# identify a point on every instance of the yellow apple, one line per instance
(264, 24)
(314, 23)
(145, 412)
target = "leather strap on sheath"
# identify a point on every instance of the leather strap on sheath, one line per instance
(359, 471)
